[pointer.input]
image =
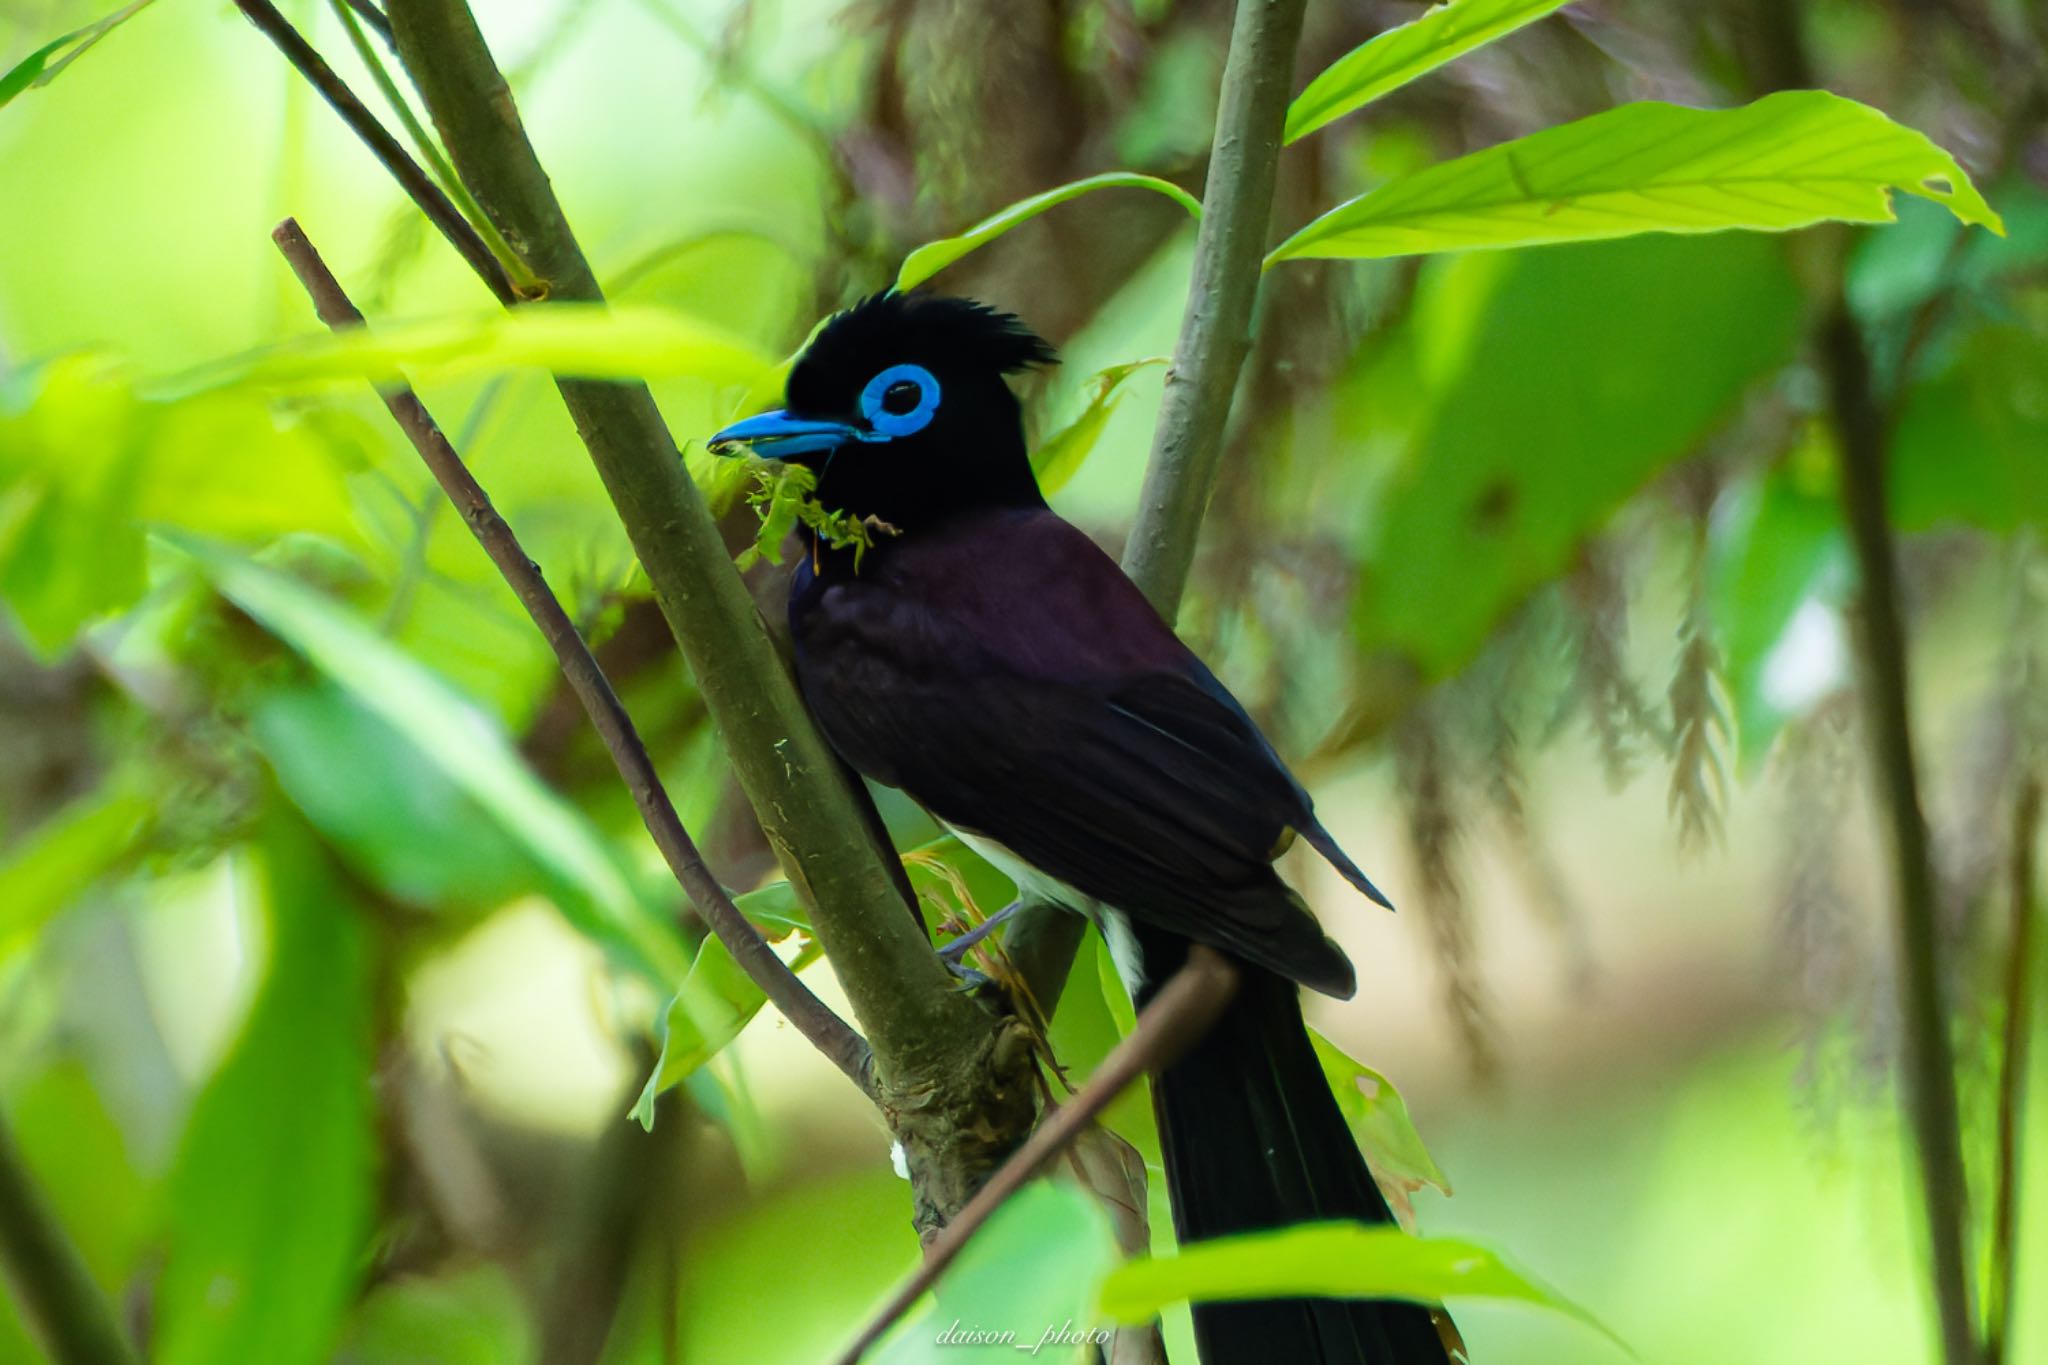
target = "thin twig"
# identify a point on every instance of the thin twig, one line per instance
(1215, 337)
(1216, 329)
(367, 11)
(416, 183)
(811, 1016)
(2021, 978)
(1175, 1019)
(1930, 1057)
(429, 150)
(64, 1308)
(1863, 429)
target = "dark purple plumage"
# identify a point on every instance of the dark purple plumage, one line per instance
(1002, 670)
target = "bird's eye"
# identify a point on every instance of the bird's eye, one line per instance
(899, 401)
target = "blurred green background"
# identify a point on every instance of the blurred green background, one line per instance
(333, 956)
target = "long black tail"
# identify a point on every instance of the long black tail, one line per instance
(1253, 1139)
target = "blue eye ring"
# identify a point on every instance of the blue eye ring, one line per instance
(886, 423)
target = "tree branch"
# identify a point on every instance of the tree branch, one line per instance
(416, 183)
(1216, 330)
(1177, 1017)
(1862, 427)
(375, 18)
(952, 1082)
(1930, 1058)
(2021, 979)
(63, 1307)
(825, 1030)
(1215, 336)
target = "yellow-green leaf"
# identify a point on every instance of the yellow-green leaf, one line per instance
(716, 1000)
(1379, 1120)
(1387, 62)
(1060, 456)
(43, 65)
(271, 1201)
(30, 69)
(929, 259)
(65, 855)
(1787, 161)
(778, 500)
(71, 467)
(583, 873)
(1329, 1260)
(591, 341)
(1019, 1290)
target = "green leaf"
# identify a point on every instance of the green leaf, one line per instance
(1776, 548)
(95, 542)
(29, 70)
(584, 875)
(471, 1315)
(1094, 1015)
(929, 259)
(1891, 275)
(1060, 456)
(455, 1316)
(779, 514)
(86, 1165)
(1385, 63)
(717, 998)
(395, 815)
(38, 68)
(271, 1196)
(70, 466)
(1116, 998)
(1029, 1272)
(229, 465)
(1549, 387)
(1338, 1260)
(84, 464)
(1971, 438)
(1787, 161)
(591, 341)
(62, 859)
(1379, 1120)
(784, 497)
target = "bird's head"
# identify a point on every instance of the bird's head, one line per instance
(899, 406)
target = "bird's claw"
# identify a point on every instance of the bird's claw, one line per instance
(955, 952)
(966, 979)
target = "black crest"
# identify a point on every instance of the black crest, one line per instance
(935, 330)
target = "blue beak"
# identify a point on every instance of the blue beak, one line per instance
(777, 436)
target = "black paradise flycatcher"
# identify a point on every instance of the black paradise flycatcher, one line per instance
(986, 658)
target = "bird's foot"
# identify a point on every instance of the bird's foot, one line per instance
(956, 952)
(966, 979)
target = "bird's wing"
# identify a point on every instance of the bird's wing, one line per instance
(1037, 700)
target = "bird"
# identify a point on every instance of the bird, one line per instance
(985, 657)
